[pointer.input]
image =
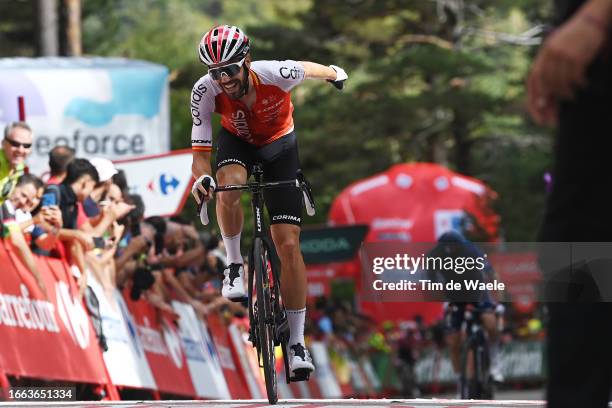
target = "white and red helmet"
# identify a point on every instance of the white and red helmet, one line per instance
(223, 43)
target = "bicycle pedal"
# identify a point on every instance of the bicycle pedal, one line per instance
(239, 299)
(300, 374)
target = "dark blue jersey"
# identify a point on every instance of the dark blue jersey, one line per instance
(456, 259)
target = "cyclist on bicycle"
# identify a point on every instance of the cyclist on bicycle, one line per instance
(254, 101)
(455, 245)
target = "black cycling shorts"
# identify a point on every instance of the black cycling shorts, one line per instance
(279, 161)
(454, 314)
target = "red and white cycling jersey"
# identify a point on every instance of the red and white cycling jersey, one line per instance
(269, 118)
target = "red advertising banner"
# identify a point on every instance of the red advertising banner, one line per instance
(45, 337)
(235, 380)
(163, 347)
(522, 272)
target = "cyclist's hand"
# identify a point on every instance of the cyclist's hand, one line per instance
(341, 76)
(203, 188)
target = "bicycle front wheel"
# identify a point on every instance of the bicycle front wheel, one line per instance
(265, 317)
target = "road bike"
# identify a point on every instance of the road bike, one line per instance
(475, 358)
(269, 326)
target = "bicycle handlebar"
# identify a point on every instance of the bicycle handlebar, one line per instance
(299, 182)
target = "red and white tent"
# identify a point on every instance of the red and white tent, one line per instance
(413, 202)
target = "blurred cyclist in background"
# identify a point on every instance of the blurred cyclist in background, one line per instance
(455, 244)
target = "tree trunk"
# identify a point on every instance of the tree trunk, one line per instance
(463, 144)
(73, 27)
(48, 38)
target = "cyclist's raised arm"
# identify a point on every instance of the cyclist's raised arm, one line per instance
(332, 73)
(288, 73)
(312, 70)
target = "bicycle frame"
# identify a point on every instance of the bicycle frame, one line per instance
(474, 345)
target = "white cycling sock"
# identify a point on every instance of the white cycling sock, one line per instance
(232, 248)
(494, 353)
(296, 326)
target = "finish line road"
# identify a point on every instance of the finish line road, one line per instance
(343, 403)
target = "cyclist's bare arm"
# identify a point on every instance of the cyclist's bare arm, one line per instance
(202, 105)
(201, 164)
(312, 70)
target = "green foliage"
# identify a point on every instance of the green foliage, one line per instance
(429, 81)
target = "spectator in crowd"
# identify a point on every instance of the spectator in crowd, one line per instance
(14, 213)
(16, 147)
(570, 86)
(102, 260)
(81, 179)
(25, 198)
(106, 171)
(170, 238)
(42, 223)
(120, 180)
(59, 158)
(89, 216)
(136, 243)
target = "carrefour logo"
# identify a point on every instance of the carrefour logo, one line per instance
(165, 184)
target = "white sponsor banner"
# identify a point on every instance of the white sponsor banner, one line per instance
(358, 381)
(125, 358)
(239, 345)
(324, 375)
(163, 181)
(102, 107)
(284, 391)
(206, 374)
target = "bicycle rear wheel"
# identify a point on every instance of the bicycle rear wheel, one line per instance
(475, 353)
(482, 364)
(265, 317)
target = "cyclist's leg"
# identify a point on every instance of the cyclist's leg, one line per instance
(488, 319)
(453, 337)
(281, 162)
(233, 161)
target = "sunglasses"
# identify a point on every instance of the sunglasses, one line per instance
(17, 144)
(230, 70)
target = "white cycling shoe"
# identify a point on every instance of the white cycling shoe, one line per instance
(300, 362)
(496, 373)
(233, 283)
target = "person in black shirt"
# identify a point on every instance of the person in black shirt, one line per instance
(81, 179)
(570, 86)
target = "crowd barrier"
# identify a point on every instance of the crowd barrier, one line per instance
(52, 338)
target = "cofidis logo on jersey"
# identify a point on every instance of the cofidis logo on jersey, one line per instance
(291, 72)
